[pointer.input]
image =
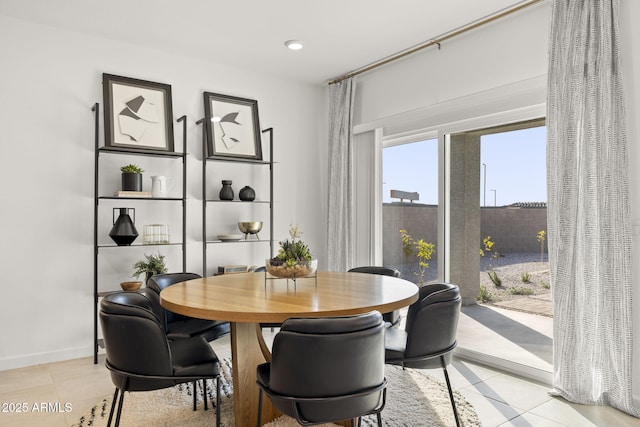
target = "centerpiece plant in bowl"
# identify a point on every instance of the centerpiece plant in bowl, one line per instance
(294, 258)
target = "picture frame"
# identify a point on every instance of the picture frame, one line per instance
(232, 127)
(138, 114)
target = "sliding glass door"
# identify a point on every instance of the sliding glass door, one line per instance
(470, 208)
(497, 243)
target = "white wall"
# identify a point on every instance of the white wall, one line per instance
(49, 79)
(507, 51)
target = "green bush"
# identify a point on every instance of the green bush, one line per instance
(517, 290)
(525, 277)
(494, 278)
(422, 250)
(485, 295)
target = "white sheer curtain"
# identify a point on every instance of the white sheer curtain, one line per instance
(589, 224)
(340, 227)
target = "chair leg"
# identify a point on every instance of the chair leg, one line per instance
(204, 392)
(379, 416)
(195, 394)
(259, 408)
(113, 406)
(453, 402)
(121, 401)
(218, 401)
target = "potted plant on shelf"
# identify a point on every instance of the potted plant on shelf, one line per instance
(131, 177)
(294, 258)
(152, 264)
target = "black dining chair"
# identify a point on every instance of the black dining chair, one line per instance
(139, 356)
(393, 317)
(326, 369)
(429, 336)
(176, 325)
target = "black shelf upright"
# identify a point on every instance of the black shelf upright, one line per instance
(96, 246)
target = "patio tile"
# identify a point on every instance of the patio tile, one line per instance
(491, 412)
(531, 420)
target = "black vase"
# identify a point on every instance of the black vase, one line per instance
(247, 194)
(124, 231)
(131, 181)
(226, 192)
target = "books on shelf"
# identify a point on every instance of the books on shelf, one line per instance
(132, 193)
(229, 269)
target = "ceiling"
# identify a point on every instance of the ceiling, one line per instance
(339, 35)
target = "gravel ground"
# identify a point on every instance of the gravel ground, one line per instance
(510, 269)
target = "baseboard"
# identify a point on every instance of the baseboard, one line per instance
(524, 371)
(44, 357)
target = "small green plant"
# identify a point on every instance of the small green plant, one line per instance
(152, 264)
(131, 169)
(422, 250)
(294, 250)
(525, 278)
(494, 278)
(545, 284)
(518, 290)
(488, 249)
(485, 295)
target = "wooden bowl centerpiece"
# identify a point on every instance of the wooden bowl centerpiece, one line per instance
(131, 286)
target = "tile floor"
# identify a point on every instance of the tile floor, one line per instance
(499, 399)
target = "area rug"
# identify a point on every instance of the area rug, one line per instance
(414, 399)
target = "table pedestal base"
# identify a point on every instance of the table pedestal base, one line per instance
(246, 355)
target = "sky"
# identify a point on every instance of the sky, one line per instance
(515, 168)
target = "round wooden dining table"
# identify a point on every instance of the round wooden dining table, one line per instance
(249, 299)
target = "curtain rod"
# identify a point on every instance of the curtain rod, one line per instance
(437, 40)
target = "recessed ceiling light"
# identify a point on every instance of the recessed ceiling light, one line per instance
(293, 44)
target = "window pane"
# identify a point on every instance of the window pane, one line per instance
(514, 165)
(410, 203)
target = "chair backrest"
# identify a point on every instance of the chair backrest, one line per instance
(329, 357)
(383, 271)
(392, 317)
(134, 339)
(158, 282)
(432, 321)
